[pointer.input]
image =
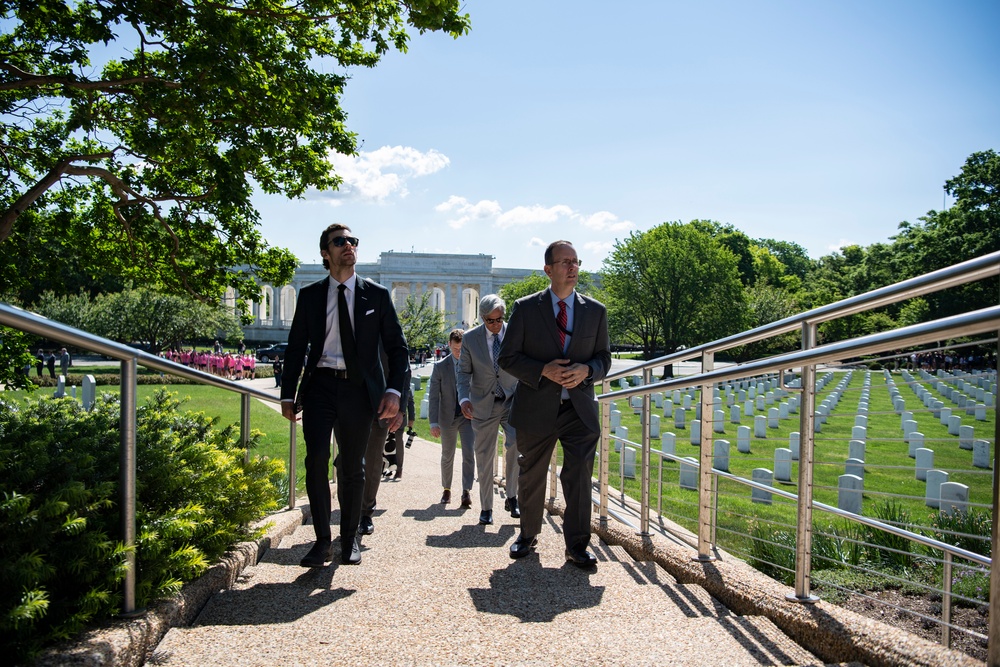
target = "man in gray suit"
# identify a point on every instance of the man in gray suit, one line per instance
(557, 347)
(485, 392)
(448, 422)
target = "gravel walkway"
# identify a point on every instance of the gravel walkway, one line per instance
(436, 588)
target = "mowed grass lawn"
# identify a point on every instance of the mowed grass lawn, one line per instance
(889, 471)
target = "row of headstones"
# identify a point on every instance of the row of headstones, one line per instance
(978, 383)
(949, 497)
(968, 404)
(88, 390)
(915, 439)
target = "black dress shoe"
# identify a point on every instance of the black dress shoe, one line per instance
(523, 546)
(445, 496)
(466, 500)
(581, 558)
(350, 552)
(366, 527)
(511, 506)
(321, 552)
(486, 517)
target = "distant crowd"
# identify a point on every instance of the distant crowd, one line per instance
(239, 365)
(951, 360)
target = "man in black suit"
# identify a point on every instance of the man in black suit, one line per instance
(340, 322)
(557, 347)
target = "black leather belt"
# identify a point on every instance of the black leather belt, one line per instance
(339, 373)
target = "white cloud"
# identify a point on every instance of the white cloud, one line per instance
(606, 220)
(600, 248)
(839, 244)
(382, 173)
(520, 216)
(465, 211)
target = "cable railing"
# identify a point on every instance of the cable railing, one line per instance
(810, 396)
(130, 358)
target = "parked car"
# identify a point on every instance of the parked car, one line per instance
(268, 354)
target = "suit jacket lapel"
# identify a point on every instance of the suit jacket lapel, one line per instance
(580, 314)
(360, 303)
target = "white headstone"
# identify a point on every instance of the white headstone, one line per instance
(678, 418)
(856, 449)
(760, 426)
(622, 434)
(628, 463)
(855, 467)
(425, 407)
(859, 433)
(981, 454)
(925, 461)
(966, 434)
(743, 439)
(720, 459)
(616, 419)
(945, 416)
(60, 387)
(761, 476)
(734, 414)
(915, 441)
(696, 432)
(849, 490)
(794, 443)
(689, 473)
(668, 443)
(719, 422)
(861, 420)
(654, 426)
(932, 492)
(89, 392)
(783, 464)
(954, 423)
(772, 417)
(954, 497)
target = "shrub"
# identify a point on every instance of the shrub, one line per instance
(60, 566)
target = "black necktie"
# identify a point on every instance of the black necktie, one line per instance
(562, 320)
(347, 345)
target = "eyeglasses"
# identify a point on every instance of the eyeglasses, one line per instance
(568, 263)
(493, 320)
(341, 241)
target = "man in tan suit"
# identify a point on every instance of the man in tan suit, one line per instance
(557, 347)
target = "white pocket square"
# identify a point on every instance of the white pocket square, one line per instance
(370, 311)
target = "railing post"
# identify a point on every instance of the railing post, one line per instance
(946, 600)
(127, 475)
(604, 469)
(553, 475)
(807, 423)
(705, 513)
(647, 376)
(245, 426)
(292, 463)
(993, 645)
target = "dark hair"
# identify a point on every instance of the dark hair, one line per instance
(324, 238)
(548, 251)
(456, 335)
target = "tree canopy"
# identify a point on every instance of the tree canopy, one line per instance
(132, 135)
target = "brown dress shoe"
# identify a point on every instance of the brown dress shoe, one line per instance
(446, 496)
(466, 500)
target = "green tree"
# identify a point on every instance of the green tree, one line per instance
(136, 133)
(422, 325)
(766, 303)
(145, 315)
(682, 275)
(511, 292)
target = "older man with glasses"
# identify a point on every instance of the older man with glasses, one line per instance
(484, 393)
(341, 326)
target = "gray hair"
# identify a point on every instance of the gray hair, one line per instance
(489, 303)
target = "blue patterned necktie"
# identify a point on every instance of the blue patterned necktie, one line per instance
(498, 392)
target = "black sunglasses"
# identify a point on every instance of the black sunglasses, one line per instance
(340, 241)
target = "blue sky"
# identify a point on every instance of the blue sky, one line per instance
(823, 123)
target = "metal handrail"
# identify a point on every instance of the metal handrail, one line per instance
(972, 270)
(130, 357)
(986, 320)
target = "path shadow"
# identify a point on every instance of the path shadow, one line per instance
(473, 536)
(270, 604)
(435, 511)
(536, 594)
